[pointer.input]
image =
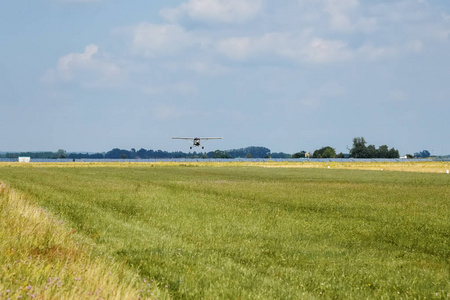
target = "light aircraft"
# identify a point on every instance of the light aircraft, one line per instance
(196, 140)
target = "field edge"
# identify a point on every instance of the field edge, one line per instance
(40, 257)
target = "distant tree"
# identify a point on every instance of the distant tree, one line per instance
(393, 153)
(86, 155)
(359, 149)
(12, 155)
(123, 156)
(383, 152)
(256, 152)
(117, 153)
(340, 155)
(61, 153)
(142, 153)
(371, 151)
(422, 154)
(133, 153)
(300, 154)
(325, 152)
(114, 153)
(221, 154)
(249, 155)
(46, 155)
(280, 155)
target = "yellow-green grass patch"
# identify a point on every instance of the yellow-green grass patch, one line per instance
(42, 258)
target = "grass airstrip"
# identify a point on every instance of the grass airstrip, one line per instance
(225, 230)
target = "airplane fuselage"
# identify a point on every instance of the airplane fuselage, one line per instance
(196, 140)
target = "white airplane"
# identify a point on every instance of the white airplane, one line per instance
(196, 140)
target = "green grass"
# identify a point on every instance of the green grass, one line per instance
(41, 258)
(258, 233)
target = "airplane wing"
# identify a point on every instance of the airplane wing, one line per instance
(183, 138)
(211, 138)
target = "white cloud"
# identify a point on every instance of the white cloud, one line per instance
(324, 51)
(76, 60)
(238, 48)
(337, 31)
(367, 25)
(293, 47)
(216, 11)
(339, 11)
(153, 40)
(207, 68)
(415, 46)
(343, 16)
(182, 88)
(311, 102)
(86, 69)
(441, 35)
(168, 113)
(402, 12)
(371, 53)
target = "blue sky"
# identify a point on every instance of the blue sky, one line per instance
(289, 75)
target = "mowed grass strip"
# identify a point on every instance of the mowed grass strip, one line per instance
(268, 233)
(41, 258)
(403, 166)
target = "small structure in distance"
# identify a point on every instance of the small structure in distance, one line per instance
(24, 159)
(196, 140)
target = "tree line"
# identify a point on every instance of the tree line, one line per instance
(248, 152)
(359, 150)
(52, 155)
(116, 153)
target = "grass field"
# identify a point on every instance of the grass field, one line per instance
(226, 231)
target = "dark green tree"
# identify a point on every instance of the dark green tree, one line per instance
(142, 153)
(133, 153)
(372, 152)
(221, 154)
(61, 153)
(300, 154)
(383, 152)
(325, 152)
(393, 153)
(280, 155)
(422, 154)
(359, 149)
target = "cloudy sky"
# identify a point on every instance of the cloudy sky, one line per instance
(290, 75)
